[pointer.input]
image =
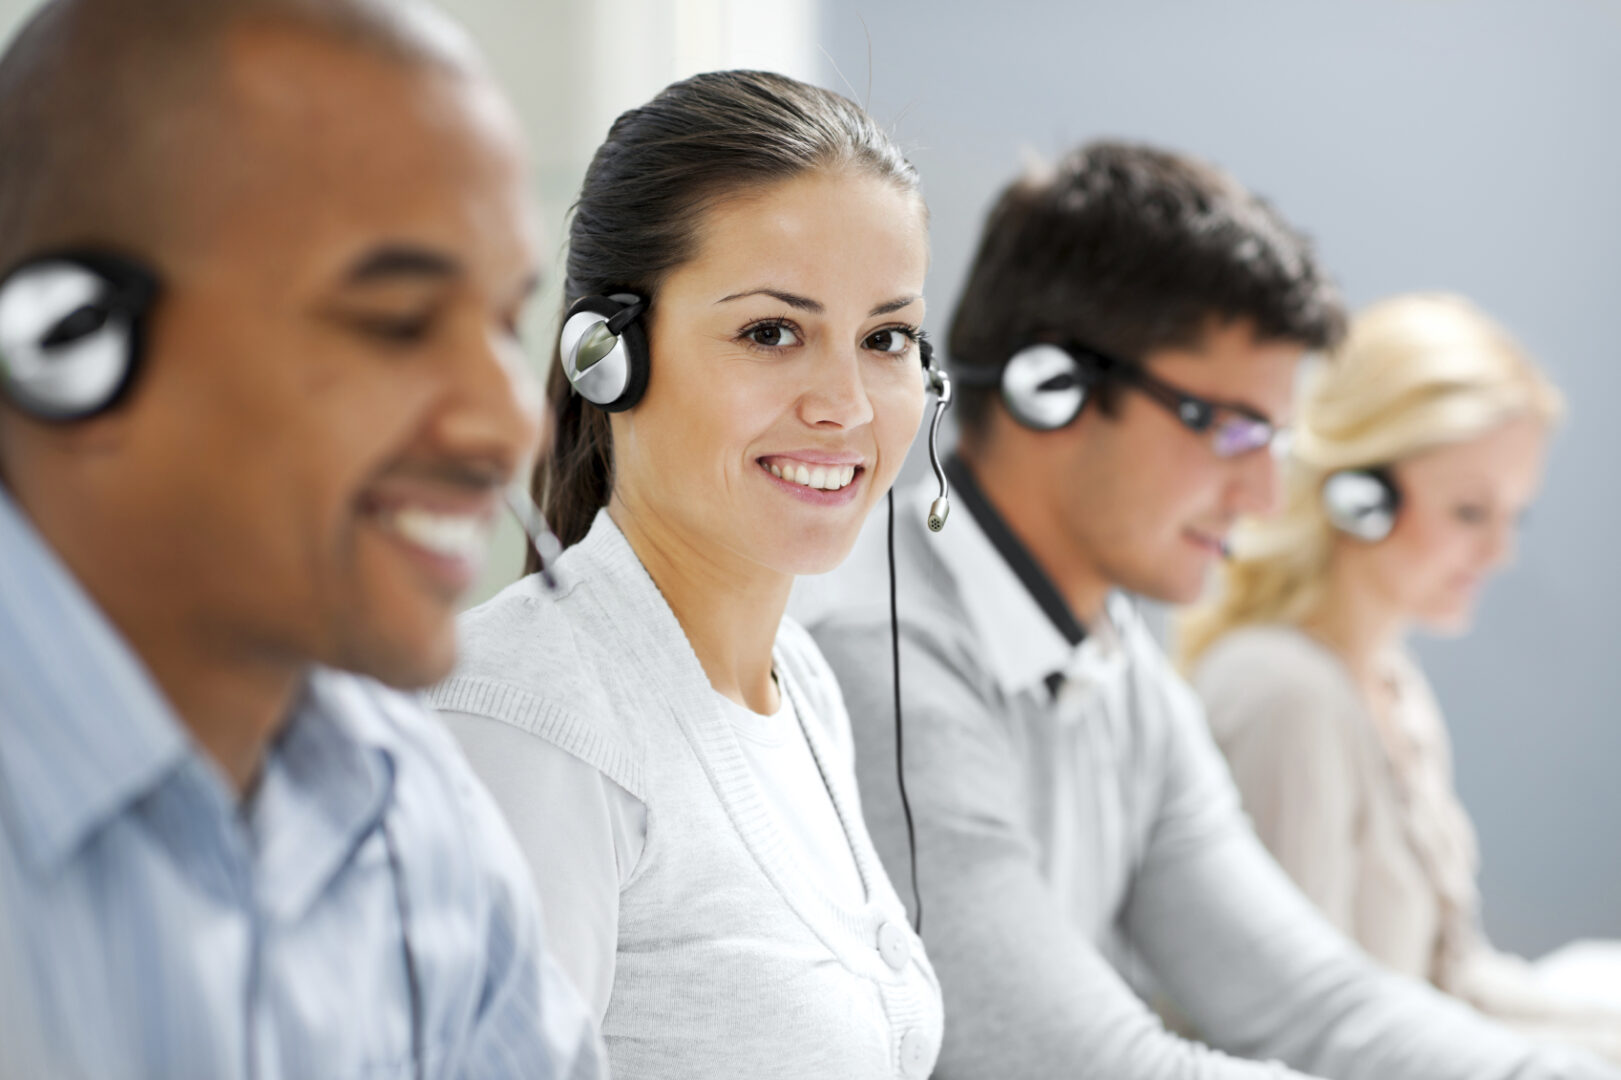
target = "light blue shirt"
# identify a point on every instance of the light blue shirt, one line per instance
(365, 914)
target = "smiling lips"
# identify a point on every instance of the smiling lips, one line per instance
(464, 537)
(818, 476)
(448, 538)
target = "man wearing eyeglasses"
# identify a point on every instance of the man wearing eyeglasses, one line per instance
(1124, 353)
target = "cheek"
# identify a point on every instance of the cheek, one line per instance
(701, 430)
(1422, 554)
(1178, 488)
(898, 407)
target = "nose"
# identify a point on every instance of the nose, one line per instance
(1257, 484)
(494, 410)
(835, 393)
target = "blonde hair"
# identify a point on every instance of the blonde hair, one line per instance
(1415, 372)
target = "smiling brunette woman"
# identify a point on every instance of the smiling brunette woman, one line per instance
(673, 755)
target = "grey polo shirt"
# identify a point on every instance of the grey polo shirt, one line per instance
(1074, 821)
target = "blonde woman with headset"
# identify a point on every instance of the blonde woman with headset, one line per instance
(1418, 449)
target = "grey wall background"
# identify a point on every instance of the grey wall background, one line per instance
(1472, 145)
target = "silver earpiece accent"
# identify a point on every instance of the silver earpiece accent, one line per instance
(940, 508)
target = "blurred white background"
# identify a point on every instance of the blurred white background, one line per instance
(1470, 145)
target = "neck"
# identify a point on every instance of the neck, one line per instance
(1355, 622)
(1020, 496)
(233, 710)
(728, 607)
(233, 701)
(232, 698)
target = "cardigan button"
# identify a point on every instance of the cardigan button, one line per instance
(893, 946)
(915, 1057)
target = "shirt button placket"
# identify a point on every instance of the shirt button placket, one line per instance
(893, 946)
(914, 1054)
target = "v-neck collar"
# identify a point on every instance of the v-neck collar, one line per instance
(648, 626)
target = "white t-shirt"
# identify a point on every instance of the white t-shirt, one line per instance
(796, 795)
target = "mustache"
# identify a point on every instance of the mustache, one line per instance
(477, 476)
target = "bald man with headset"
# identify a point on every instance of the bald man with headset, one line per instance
(260, 264)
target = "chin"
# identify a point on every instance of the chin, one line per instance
(1178, 585)
(805, 555)
(1453, 623)
(404, 663)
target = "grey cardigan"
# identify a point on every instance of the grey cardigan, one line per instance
(731, 960)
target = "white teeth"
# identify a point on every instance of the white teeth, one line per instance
(455, 536)
(821, 477)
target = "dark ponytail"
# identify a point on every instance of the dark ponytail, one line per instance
(663, 165)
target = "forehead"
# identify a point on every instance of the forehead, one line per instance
(1506, 457)
(327, 147)
(1229, 363)
(828, 235)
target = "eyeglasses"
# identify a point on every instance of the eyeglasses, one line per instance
(1231, 429)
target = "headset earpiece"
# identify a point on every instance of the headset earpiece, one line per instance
(1045, 386)
(72, 332)
(1362, 503)
(604, 350)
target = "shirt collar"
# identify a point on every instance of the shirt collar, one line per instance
(85, 733)
(328, 781)
(84, 730)
(1027, 629)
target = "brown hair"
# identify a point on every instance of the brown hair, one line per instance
(1129, 249)
(663, 165)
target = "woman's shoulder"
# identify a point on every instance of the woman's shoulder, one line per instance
(547, 665)
(1269, 652)
(1273, 670)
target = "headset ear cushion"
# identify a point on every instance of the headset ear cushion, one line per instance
(72, 332)
(1362, 503)
(1044, 387)
(639, 366)
(629, 357)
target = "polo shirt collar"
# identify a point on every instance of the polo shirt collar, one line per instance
(1026, 627)
(1030, 635)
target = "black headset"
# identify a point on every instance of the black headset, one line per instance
(73, 329)
(1362, 502)
(603, 348)
(1044, 386)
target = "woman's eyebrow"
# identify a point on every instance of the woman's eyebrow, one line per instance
(893, 305)
(816, 307)
(793, 300)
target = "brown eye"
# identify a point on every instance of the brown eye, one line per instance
(771, 335)
(889, 340)
(392, 329)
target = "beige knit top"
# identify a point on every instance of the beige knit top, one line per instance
(1359, 808)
